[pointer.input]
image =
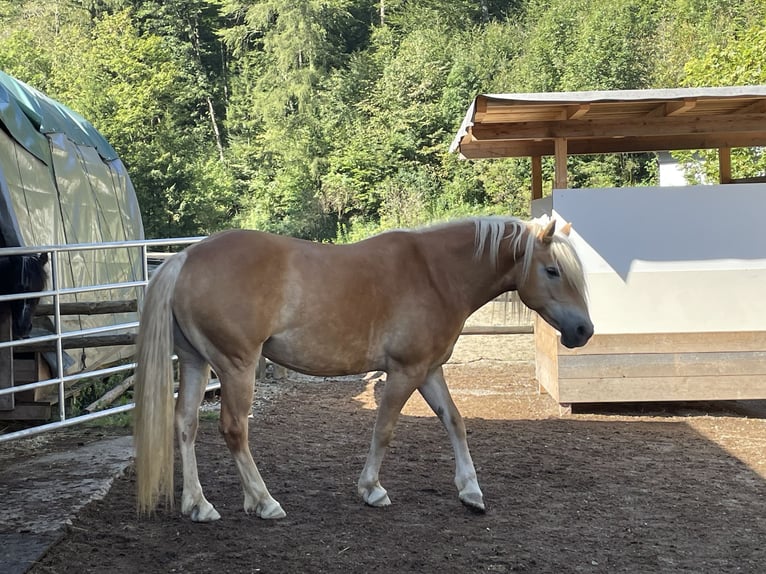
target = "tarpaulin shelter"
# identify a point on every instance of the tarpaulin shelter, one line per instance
(61, 183)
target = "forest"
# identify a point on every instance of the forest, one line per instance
(332, 119)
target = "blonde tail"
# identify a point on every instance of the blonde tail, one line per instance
(153, 416)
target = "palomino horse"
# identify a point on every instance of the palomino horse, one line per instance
(22, 274)
(395, 302)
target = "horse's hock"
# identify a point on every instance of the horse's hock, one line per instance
(676, 279)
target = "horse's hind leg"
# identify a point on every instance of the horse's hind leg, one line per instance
(438, 397)
(194, 373)
(236, 404)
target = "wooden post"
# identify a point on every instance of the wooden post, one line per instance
(7, 402)
(724, 165)
(560, 179)
(537, 177)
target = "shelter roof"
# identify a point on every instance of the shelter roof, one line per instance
(28, 114)
(528, 125)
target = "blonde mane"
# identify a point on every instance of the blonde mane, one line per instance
(490, 232)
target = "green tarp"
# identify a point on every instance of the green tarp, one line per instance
(61, 183)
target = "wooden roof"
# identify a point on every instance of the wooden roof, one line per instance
(529, 125)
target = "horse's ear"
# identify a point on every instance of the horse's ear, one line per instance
(546, 234)
(43, 258)
(567, 229)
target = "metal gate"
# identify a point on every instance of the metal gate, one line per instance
(59, 338)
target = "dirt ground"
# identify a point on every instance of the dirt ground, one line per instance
(639, 488)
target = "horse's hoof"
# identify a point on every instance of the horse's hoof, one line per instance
(474, 501)
(209, 514)
(377, 498)
(271, 510)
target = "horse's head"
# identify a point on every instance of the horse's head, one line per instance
(553, 284)
(26, 274)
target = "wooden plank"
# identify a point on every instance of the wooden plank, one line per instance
(89, 307)
(43, 374)
(24, 370)
(498, 330)
(85, 342)
(680, 107)
(546, 357)
(653, 389)
(663, 365)
(680, 125)
(526, 147)
(27, 412)
(111, 395)
(576, 112)
(6, 360)
(625, 343)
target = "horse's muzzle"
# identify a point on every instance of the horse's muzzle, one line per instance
(577, 335)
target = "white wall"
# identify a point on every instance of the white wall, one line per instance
(670, 259)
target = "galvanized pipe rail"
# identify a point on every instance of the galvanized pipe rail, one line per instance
(59, 338)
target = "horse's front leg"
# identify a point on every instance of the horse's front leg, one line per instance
(438, 397)
(399, 387)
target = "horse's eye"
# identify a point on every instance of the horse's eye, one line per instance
(553, 271)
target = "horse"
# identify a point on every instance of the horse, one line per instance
(22, 274)
(395, 302)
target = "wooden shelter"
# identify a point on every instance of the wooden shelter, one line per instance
(677, 319)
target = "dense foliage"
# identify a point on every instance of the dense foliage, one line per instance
(332, 118)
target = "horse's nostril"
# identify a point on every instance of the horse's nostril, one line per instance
(584, 331)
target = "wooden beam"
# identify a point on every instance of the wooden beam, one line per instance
(668, 388)
(111, 395)
(680, 107)
(640, 365)
(658, 111)
(641, 126)
(84, 342)
(651, 343)
(577, 112)
(546, 357)
(545, 147)
(560, 163)
(537, 177)
(28, 412)
(757, 107)
(90, 307)
(724, 165)
(498, 330)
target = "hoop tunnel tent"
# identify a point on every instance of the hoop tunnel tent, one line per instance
(61, 183)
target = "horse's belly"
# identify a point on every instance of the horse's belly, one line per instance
(322, 354)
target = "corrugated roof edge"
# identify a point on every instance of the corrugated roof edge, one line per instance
(28, 114)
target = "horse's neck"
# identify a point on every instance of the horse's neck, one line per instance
(474, 280)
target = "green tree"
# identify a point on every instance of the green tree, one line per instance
(733, 62)
(136, 93)
(283, 52)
